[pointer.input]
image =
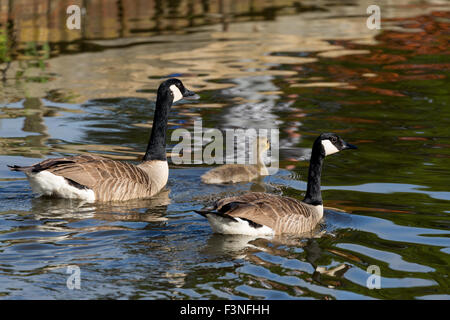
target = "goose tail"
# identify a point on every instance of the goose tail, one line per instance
(19, 168)
(226, 224)
(211, 211)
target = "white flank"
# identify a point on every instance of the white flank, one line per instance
(329, 147)
(176, 93)
(49, 184)
(227, 226)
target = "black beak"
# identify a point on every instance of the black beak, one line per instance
(188, 93)
(349, 146)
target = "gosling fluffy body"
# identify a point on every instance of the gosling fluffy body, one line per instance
(233, 173)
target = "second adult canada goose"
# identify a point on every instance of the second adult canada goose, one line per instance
(232, 173)
(91, 177)
(257, 213)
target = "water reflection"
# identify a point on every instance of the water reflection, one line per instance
(148, 210)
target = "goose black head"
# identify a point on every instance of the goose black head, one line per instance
(175, 89)
(332, 143)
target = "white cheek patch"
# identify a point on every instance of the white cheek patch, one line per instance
(176, 93)
(329, 147)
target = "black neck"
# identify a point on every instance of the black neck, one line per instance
(313, 195)
(156, 148)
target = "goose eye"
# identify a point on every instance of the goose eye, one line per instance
(333, 139)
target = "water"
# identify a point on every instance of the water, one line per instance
(302, 72)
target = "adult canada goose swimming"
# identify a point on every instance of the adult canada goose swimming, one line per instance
(91, 177)
(257, 213)
(232, 173)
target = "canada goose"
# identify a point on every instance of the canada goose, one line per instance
(257, 213)
(91, 177)
(232, 173)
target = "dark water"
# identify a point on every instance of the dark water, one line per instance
(388, 202)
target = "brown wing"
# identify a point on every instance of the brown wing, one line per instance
(282, 214)
(109, 179)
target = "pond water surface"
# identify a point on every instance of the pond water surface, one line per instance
(388, 203)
